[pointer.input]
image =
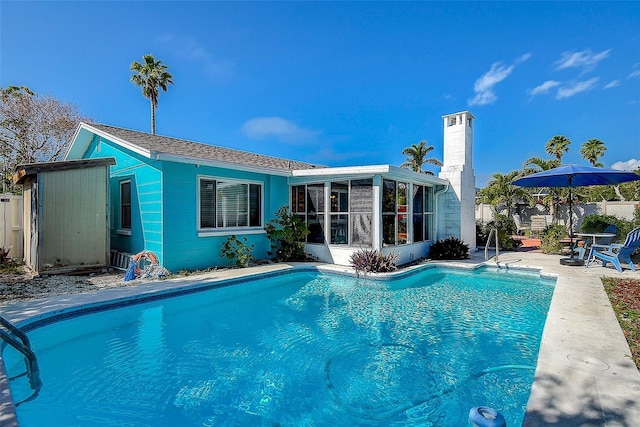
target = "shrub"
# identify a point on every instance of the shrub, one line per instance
(482, 233)
(237, 251)
(596, 223)
(373, 261)
(287, 233)
(551, 239)
(449, 248)
(506, 228)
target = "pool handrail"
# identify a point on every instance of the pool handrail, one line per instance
(19, 340)
(494, 231)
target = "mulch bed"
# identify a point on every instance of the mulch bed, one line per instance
(624, 295)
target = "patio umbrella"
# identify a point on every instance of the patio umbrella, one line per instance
(575, 176)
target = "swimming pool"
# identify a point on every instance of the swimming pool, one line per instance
(300, 348)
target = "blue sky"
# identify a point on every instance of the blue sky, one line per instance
(345, 83)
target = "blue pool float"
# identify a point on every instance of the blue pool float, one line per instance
(483, 416)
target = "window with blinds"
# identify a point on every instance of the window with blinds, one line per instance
(229, 204)
(361, 203)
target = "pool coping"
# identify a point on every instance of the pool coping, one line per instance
(584, 375)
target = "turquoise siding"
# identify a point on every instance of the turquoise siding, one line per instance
(146, 198)
(187, 250)
(164, 198)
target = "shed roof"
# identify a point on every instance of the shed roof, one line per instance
(182, 150)
(31, 169)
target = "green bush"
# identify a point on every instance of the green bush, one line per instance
(482, 233)
(449, 248)
(373, 261)
(596, 223)
(237, 251)
(551, 239)
(506, 228)
(287, 233)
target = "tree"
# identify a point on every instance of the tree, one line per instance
(151, 76)
(500, 193)
(417, 156)
(556, 194)
(557, 146)
(592, 150)
(33, 128)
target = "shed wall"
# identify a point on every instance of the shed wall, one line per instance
(72, 224)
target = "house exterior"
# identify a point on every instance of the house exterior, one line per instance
(182, 199)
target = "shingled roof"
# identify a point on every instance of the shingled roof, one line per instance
(157, 144)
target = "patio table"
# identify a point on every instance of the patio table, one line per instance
(595, 236)
(583, 251)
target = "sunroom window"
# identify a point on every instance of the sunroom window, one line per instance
(339, 213)
(345, 219)
(395, 212)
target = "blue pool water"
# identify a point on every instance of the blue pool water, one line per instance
(297, 349)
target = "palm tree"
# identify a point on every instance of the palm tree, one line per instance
(557, 146)
(556, 194)
(500, 193)
(592, 150)
(417, 156)
(151, 76)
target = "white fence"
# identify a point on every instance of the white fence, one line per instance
(522, 215)
(11, 227)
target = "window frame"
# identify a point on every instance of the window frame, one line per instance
(123, 227)
(338, 213)
(217, 230)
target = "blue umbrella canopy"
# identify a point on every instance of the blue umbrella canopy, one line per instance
(576, 176)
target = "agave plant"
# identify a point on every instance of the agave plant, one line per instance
(449, 248)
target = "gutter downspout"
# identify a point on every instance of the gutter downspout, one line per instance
(437, 210)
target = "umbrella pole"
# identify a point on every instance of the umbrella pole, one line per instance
(570, 219)
(571, 260)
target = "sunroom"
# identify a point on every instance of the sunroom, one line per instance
(383, 207)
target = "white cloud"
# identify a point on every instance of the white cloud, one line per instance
(629, 165)
(190, 49)
(584, 59)
(485, 84)
(544, 87)
(278, 128)
(613, 83)
(575, 88)
(634, 74)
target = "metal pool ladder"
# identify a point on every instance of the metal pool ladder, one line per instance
(493, 232)
(17, 339)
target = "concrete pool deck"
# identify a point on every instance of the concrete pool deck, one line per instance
(585, 375)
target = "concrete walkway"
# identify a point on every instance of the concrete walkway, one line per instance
(585, 376)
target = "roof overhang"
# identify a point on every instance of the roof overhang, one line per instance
(84, 136)
(217, 164)
(32, 169)
(85, 133)
(365, 171)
